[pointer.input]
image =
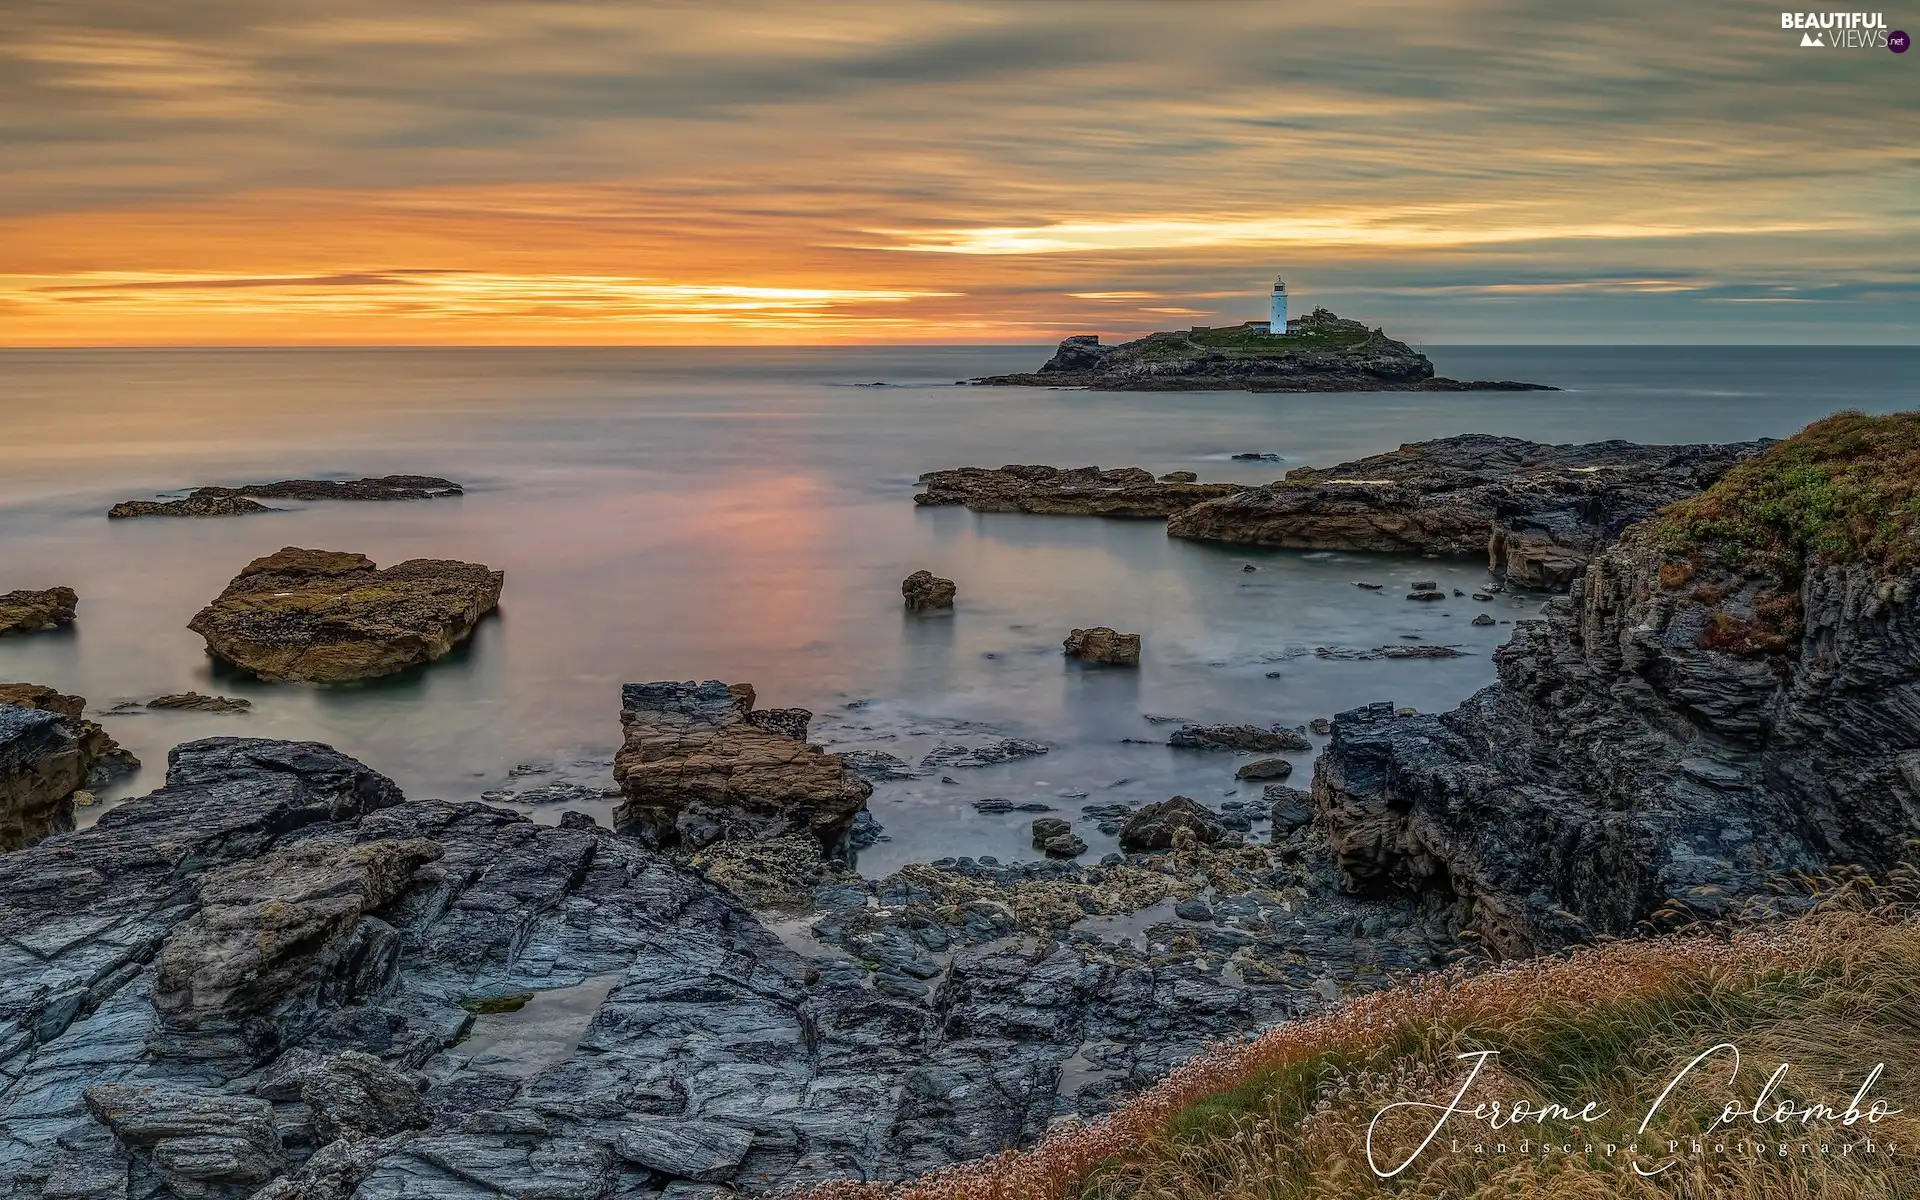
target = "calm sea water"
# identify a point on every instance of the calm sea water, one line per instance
(746, 515)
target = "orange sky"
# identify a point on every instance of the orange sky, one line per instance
(601, 172)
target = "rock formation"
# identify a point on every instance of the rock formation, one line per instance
(1103, 645)
(232, 502)
(924, 590)
(201, 703)
(1159, 826)
(699, 764)
(31, 612)
(1320, 353)
(1723, 701)
(325, 616)
(1537, 512)
(1075, 492)
(48, 752)
(1256, 739)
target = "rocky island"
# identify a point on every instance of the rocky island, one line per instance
(1319, 352)
(239, 501)
(326, 616)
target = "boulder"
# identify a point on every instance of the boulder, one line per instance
(49, 753)
(32, 612)
(1254, 739)
(198, 1141)
(1103, 645)
(325, 616)
(1064, 845)
(1483, 619)
(701, 1151)
(1156, 826)
(923, 590)
(1049, 827)
(1265, 768)
(1291, 808)
(695, 767)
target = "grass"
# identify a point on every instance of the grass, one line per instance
(1287, 1116)
(1843, 489)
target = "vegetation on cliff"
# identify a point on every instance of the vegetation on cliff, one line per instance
(1843, 489)
(1288, 1116)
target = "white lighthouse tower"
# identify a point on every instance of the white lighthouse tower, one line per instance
(1277, 322)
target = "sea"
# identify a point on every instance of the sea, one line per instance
(747, 515)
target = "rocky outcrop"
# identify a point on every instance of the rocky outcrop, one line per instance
(923, 590)
(326, 616)
(239, 501)
(1076, 491)
(1537, 512)
(31, 612)
(699, 764)
(1103, 645)
(1320, 352)
(1256, 739)
(1700, 720)
(198, 702)
(48, 752)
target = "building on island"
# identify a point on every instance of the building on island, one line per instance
(1277, 320)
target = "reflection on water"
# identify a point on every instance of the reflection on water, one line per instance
(747, 516)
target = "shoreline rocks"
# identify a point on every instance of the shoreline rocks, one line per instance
(1320, 352)
(1130, 492)
(1254, 739)
(49, 754)
(327, 616)
(25, 611)
(1104, 646)
(1538, 512)
(924, 591)
(696, 766)
(240, 501)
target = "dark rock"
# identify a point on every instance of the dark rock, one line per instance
(1049, 827)
(997, 804)
(1265, 768)
(1321, 725)
(1425, 585)
(1158, 826)
(865, 832)
(924, 590)
(1193, 910)
(1291, 809)
(200, 703)
(1483, 619)
(225, 501)
(31, 612)
(578, 821)
(1103, 645)
(1372, 587)
(1350, 654)
(1179, 477)
(1079, 491)
(355, 1095)
(877, 765)
(1257, 456)
(325, 616)
(1251, 738)
(196, 1140)
(701, 1151)
(1538, 512)
(191, 506)
(787, 722)
(1065, 845)
(942, 758)
(49, 751)
(1426, 595)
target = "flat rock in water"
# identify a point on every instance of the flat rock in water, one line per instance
(942, 758)
(1354, 654)
(326, 616)
(1103, 645)
(877, 765)
(239, 501)
(1252, 738)
(1265, 768)
(201, 703)
(1075, 491)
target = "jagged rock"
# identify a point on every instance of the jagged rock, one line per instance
(49, 752)
(355, 1095)
(1678, 734)
(702, 1151)
(1103, 645)
(1291, 808)
(944, 758)
(696, 767)
(1265, 768)
(1252, 738)
(878, 765)
(1079, 491)
(197, 1140)
(924, 590)
(787, 722)
(30, 612)
(1321, 726)
(324, 616)
(1156, 826)
(228, 502)
(1064, 845)
(1320, 352)
(1538, 512)
(200, 703)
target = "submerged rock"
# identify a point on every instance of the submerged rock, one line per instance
(325, 616)
(1537, 512)
(923, 590)
(1078, 491)
(32, 612)
(1103, 645)
(1256, 739)
(239, 501)
(696, 766)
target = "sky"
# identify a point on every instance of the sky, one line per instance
(229, 172)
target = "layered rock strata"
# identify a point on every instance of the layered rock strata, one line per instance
(326, 616)
(32, 612)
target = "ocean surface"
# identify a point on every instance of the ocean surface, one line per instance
(747, 515)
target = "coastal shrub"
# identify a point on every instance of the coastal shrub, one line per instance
(1843, 489)
(1286, 1116)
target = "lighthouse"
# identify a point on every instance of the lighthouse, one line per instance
(1277, 319)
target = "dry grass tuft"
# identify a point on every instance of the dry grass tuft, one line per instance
(1286, 1116)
